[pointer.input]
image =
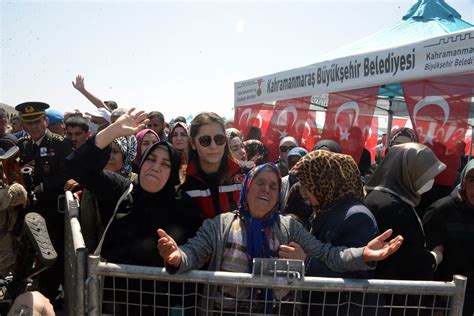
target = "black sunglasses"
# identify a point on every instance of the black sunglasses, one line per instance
(206, 140)
(284, 149)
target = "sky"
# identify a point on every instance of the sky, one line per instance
(179, 58)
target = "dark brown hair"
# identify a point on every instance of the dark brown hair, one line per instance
(201, 119)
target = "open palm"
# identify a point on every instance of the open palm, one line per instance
(378, 248)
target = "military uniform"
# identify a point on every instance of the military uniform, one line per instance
(9, 196)
(48, 162)
(49, 172)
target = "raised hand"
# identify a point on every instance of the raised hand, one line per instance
(378, 249)
(168, 249)
(292, 251)
(79, 84)
(130, 123)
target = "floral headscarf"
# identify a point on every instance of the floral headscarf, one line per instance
(128, 147)
(329, 177)
(140, 136)
(404, 131)
(255, 235)
(232, 133)
(258, 245)
(256, 151)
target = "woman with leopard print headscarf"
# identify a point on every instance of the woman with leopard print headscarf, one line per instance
(332, 184)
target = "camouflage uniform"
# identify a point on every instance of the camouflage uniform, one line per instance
(9, 196)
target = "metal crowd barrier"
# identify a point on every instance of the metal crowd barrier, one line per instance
(75, 259)
(276, 287)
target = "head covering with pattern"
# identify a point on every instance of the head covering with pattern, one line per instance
(329, 176)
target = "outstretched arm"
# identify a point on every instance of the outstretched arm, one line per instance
(79, 85)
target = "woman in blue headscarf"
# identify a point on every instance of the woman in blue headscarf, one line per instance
(230, 241)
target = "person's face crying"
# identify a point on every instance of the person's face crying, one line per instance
(155, 170)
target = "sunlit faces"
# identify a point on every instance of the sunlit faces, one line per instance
(155, 170)
(305, 193)
(115, 162)
(76, 135)
(209, 156)
(37, 128)
(238, 149)
(469, 186)
(179, 138)
(148, 140)
(263, 193)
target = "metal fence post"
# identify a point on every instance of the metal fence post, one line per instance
(93, 300)
(457, 302)
(79, 292)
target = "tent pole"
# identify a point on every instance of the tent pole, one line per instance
(472, 139)
(389, 120)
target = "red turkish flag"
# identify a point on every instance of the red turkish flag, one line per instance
(310, 133)
(398, 122)
(258, 115)
(439, 110)
(289, 119)
(371, 138)
(349, 119)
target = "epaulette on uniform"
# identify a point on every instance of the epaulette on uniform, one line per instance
(57, 137)
(24, 139)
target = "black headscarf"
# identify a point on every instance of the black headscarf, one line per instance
(173, 180)
(328, 145)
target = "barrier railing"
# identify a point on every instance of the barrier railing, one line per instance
(276, 287)
(75, 260)
(138, 290)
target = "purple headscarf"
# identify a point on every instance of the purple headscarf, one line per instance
(140, 135)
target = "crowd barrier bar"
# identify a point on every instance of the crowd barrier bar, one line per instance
(75, 259)
(454, 289)
(84, 295)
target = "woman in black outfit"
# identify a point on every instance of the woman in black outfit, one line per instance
(131, 237)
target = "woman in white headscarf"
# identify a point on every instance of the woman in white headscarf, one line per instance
(286, 144)
(407, 171)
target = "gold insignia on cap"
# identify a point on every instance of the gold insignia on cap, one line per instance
(29, 109)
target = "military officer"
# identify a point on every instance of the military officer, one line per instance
(46, 153)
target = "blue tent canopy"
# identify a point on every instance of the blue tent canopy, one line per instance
(425, 19)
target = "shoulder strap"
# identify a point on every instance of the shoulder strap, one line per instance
(120, 200)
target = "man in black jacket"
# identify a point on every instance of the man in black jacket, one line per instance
(45, 152)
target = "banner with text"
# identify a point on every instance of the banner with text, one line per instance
(443, 55)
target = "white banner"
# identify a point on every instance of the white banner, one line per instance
(449, 54)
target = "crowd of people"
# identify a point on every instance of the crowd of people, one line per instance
(204, 196)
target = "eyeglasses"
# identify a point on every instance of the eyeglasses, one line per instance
(219, 140)
(284, 149)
